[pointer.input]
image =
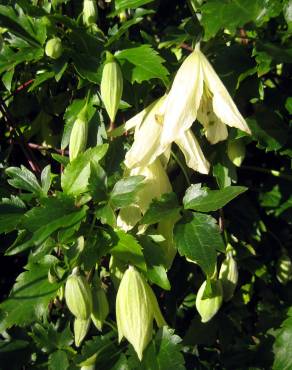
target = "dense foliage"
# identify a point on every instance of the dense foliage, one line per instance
(65, 189)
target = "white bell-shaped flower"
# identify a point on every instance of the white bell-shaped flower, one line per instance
(198, 93)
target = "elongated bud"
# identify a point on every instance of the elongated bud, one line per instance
(136, 307)
(78, 296)
(90, 12)
(78, 137)
(100, 307)
(284, 269)
(228, 274)
(81, 328)
(54, 48)
(236, 151)
(209, 306)
(111, 86)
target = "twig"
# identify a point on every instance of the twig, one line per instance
(13, 129)
(274, 173)
(183, 45)
(21, 87)
(46, 148)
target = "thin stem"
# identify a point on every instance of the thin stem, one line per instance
(181, 165)
(274, 173)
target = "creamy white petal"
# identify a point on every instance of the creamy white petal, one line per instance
(183, 99)
(216, 131)
(146, 146)
(223, 105)
(192, 151)
(137, 120)
(156, 184)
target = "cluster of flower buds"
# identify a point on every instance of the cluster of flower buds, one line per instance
(136, 308)
(85, 303)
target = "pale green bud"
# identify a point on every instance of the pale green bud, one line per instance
(81, 328)
(78, 137)
(136, 307)
(90, 12)
(284, 269)
(54, 48)
(228, 275)
(111, 87)
(61, 293)
(78, 296)
(208, 307)
(89, 367)
(236, 152)
(100, 307)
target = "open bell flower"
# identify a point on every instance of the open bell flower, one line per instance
(198, 93)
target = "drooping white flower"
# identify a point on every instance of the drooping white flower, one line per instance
(147, 145)
(198, 93)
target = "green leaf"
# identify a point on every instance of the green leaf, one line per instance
(42, 221)
(76, 174)
(46, 178)
(127, 249)
(30, 295)
(159, 209)
(220, 14)
(283, 347)
(145, 64)
(205, 200)
(10, 60)
(48, 339)
(130, 4)
(24, 179)
(11, 212)
(125, 191)
(99, 350)
(197, 237)
(58, 361)
(32, 30)
(169, 349)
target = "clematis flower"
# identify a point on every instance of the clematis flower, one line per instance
(198, 93)
(149, 125)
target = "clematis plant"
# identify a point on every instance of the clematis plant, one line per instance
(196, 93)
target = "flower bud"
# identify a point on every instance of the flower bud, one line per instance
(78, 296)
(90, 12)
(81, 328)
(111, 86)
(236, 151)
(208, 307)
(54, 48)
(228, 275)
(78, 137)
(100, 307)
(136, 307)
(284, 269)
